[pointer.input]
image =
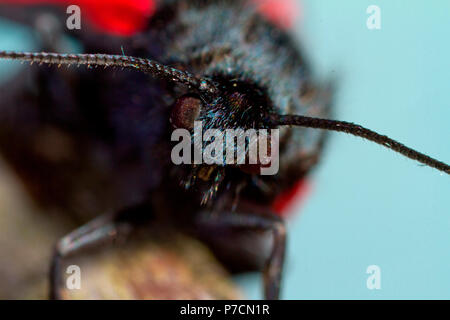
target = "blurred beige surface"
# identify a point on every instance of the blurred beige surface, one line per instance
(26, 240)
(166, 266)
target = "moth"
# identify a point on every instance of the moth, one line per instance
(98, 139)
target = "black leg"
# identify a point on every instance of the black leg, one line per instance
(273, 268)
(102, 230)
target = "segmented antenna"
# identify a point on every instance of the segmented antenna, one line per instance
(362, 132)
(147, 66)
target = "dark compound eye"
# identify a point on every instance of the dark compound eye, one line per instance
(185, 111)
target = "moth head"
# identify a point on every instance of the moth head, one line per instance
(236, 105)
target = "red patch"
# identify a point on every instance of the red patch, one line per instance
(286, 201)
(283, 13)
(120, 17)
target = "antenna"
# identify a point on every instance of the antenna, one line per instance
(359, 131)
(147, 66)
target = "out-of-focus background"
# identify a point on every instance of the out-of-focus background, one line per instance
(370, 206)
(367, 205)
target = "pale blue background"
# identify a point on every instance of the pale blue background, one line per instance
(369, 205)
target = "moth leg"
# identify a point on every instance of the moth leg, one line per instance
(103, 230)
(273, 268)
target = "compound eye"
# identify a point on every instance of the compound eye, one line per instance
(185, 111)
